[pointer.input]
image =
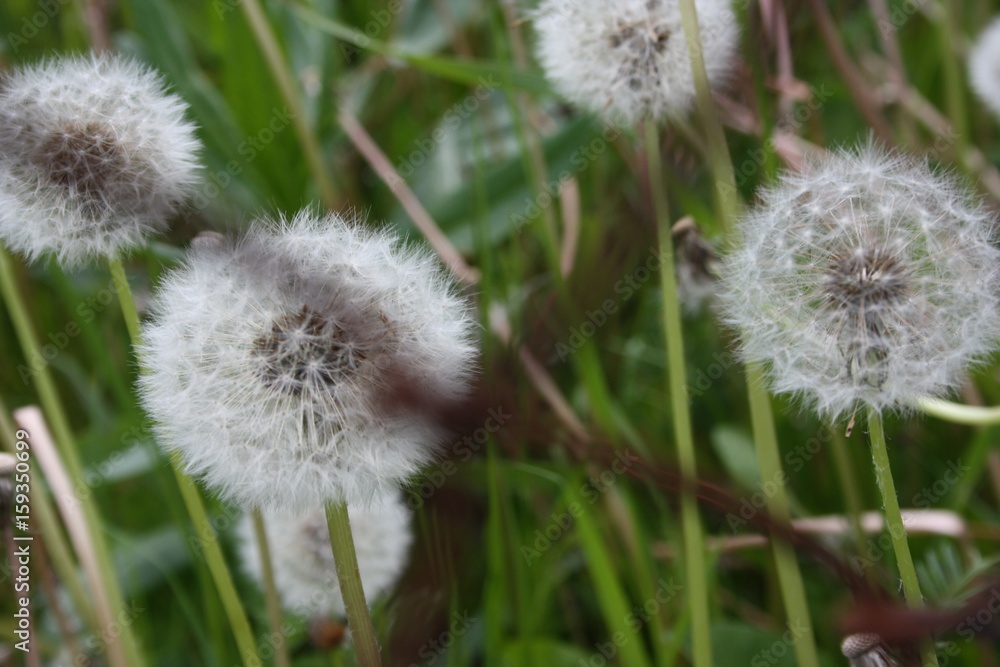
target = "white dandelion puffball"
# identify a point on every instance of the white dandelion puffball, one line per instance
(270, 361)
(302, 560)
(866, 279)
(628, 60)
(94, 157)
(984, 66)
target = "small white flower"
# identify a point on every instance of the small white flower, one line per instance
(302, 559)
(271, 362)
(628, 59)
(984, 66)
(865, 279)
(94, 157)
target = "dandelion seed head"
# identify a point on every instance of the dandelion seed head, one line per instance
(865, 649)
(629, 59)
(984, 66)
(877, 292)
(273, 360)
(302, 559)
(95, 156)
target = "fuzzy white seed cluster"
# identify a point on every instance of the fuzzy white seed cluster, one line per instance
(984, 66)
(94, 157)
(865, 279)
(628, 60)
(302, 559)
(271, 361)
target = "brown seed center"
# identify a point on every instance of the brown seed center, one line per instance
(88, 158)
(306, 351)
(865, 278)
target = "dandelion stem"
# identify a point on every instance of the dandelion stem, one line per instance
(48, 395)
(694, 538)
(281, 657)
(208, 540)
(346, 560)
(125, 299)
(894, 524)
(790, 582)
(957, 413)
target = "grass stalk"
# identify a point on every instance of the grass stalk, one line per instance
(346, 559)
(848, 485)
(694, 538)
(793, 592)
(207, 538)
(274, 619)
(48, 395)
(768, 454)
(715, 136)
(281, 71)
(895, 526)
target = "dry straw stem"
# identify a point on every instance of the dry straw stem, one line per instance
(943, 523)
(43, 447)
(543, 382)
(55, 542)
(859, 88)
(421, 218)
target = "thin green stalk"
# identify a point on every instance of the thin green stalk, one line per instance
(283, 76)
(768, 456)
(793, 591)
(694, 538)
(722, 166)
(209, 543)
(848, 485)
(208, 539)
(895, 526)
(953, 79)
(346, 560)
(125, 298)
(48, 395)
(274, 618)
